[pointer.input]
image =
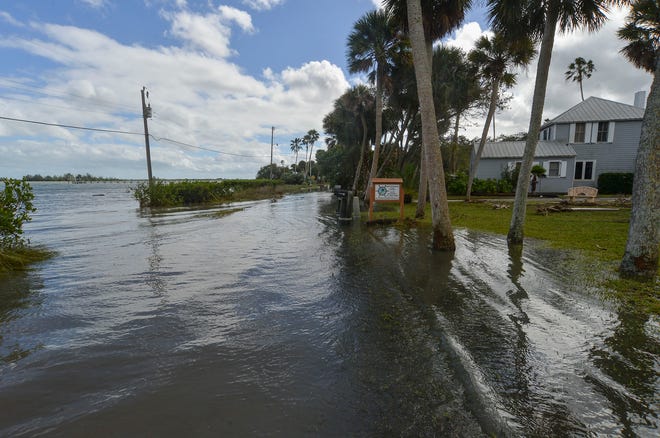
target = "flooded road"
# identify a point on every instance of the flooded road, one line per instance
(270, 319)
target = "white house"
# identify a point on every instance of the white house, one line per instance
(593, 137)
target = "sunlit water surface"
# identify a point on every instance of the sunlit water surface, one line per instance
(269, 318)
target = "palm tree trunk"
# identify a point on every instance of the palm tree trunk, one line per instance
(443, 237)
(311, 149)
(379, 129)
(641, 256)
(581, 92)
(516, 234)
(484, 135)
(423, 184)
(454, 145)
(356, 179)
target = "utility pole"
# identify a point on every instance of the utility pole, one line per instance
(146, 113)
(272, 133)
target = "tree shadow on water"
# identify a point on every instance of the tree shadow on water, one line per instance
(18, 294)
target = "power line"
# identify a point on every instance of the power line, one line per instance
(165, 139)
(169, 140)
(58, 106)
(35, 122)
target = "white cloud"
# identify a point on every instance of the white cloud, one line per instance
(96, 4)
(211, 32)
(262, 5)
(379, 4)
(241, 18)
(6, 17)
(198, 99)
(465, 37)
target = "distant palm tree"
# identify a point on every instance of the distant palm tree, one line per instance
(540, 18)
(493, 57)
(296, 146)
(579, 70)
(310, 138)
(642, 32)
(427, 21)
(371, 45)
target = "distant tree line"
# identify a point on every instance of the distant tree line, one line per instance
(68, 177)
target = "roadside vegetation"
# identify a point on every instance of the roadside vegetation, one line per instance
(15, 209)
(185, 193)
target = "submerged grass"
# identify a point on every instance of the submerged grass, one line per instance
(598, 237)
(20, 257)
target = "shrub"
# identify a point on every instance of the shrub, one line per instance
(15, 208)
(615, 183)
(457, 184)
(293, 178)
(169, 194)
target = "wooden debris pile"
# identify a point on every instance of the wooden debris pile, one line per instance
(546, 209)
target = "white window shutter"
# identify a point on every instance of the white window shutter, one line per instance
(610, 133)
(546, 166)
(571, 133)
(553, 130)
(587, 132)
(562, 169)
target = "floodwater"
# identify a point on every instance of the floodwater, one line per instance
(271, 319)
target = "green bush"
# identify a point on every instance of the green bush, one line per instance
(457, 184)
(615, 183)
(15, 208)
(169, 194)
(293, 178)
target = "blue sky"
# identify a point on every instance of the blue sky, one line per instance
(220, 74)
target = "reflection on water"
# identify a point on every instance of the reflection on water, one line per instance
(271, 319)
(18, 297)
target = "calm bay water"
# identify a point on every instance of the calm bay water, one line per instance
(270, 319)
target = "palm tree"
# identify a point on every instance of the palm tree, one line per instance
(310, 138)
(540, 18)
(370, 46)
(427, 22)
(493, 57)
(579, 70)
(348, 126)
(642, 32)
(296, 146)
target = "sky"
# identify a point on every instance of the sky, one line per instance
(220, 76)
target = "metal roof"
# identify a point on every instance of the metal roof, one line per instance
(595, 109)
(515, 149)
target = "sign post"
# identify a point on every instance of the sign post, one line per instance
(387, 190)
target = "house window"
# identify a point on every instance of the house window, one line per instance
(579, 132)
(584, 170)
(555, 168)
(603, 128)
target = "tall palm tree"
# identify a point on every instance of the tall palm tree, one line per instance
(493, 58)
(296, 146)
(370, 47)
(579, 70)
(540, 18)
(642, 32)
(427, 21)
(310, 138)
